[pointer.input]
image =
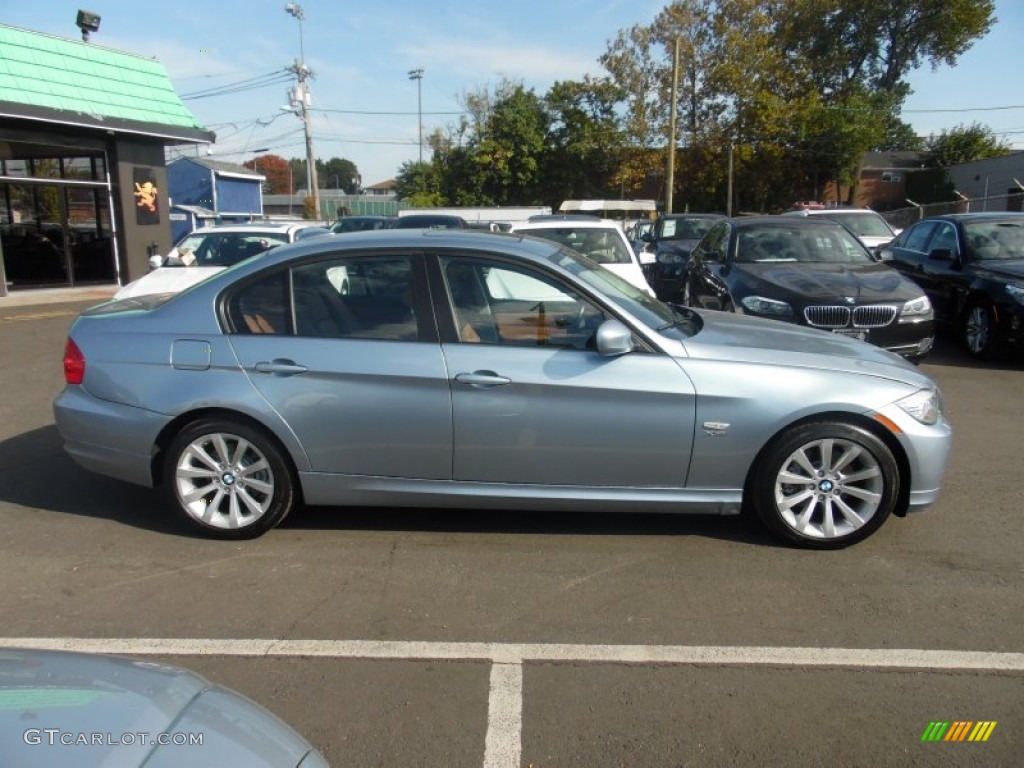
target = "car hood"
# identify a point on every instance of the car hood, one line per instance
(166, 280)
(682, 247)
(829, 283)
(79, 693)
(738, 338)
(1001, 270)
(631, 273)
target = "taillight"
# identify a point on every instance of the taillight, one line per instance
(74, 363)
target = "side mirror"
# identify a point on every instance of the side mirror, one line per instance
(647, 237)
(941, 254)
(613, 339)
(156, 261)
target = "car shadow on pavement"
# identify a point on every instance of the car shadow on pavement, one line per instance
(949, 352)
(36, 473)
(739, 529)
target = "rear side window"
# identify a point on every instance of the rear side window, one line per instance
(342, 298)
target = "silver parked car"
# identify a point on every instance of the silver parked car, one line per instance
(486, 371)
(77, 710)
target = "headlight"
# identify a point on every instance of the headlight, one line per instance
(1016, 292)
(925, 406)
(917, 307)
(759, 305)
(668, 257)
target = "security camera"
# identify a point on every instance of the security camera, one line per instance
(88, 21)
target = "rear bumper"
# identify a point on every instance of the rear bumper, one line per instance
(108, 438)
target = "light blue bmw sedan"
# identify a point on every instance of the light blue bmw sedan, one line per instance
(456, 369)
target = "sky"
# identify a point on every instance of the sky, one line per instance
(364, 105)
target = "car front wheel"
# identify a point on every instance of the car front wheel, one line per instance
(227, 479)
(979, 330)
(825, 485)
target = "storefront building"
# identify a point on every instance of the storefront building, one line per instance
(82, 174)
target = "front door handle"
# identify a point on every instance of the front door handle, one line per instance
(483, 379)
(280, 366)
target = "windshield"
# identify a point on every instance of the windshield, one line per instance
(674, 323)
(603, 245)
(222, 249)
(994, 240)
(862, 224)
(685, 229)
(814, 243)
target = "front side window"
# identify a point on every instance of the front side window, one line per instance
(917, 237)
(496, 303)
(944, 238)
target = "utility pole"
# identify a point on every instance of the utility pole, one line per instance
(417, 75)
(300, 100)
(728, 193)
(671, 175)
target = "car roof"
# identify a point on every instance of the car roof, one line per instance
(978, 216)
(783, 221)
(693, 216)
(566, 224)
(410, 239)
(257, 226)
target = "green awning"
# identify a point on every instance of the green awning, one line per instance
(54, 79)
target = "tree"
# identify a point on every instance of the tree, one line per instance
(275, 169)
(963, 144)
(419, 184)
(338, 173)
(582, 142)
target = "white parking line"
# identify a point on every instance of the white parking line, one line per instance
(517, 653)
(503, 742)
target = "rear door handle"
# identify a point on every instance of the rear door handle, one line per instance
(483, 379)
(280, 366)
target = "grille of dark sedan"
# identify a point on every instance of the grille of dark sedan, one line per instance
(871, 316)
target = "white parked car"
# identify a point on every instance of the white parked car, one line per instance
(869, 227)
(601, 240)
(207, 251)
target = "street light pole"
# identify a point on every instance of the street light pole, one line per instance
(300, 101)
(417, 75)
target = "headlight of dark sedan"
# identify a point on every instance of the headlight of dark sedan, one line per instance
(915, 309)
(761, 305)
(668, 257)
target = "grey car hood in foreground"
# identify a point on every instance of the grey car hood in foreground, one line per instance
(728, 336)
(73, 709)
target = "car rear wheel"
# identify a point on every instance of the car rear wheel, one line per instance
(825, 485)
(227, 479)
(979, 330)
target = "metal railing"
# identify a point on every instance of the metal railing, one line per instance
(904, 217)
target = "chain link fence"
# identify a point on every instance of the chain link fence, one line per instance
(901, 218)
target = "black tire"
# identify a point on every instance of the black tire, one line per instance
(813, 471)
(978, 330)
(241, 489)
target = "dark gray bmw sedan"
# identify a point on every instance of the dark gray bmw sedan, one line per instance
(484, 371)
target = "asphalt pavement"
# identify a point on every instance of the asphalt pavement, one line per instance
(408, 637)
